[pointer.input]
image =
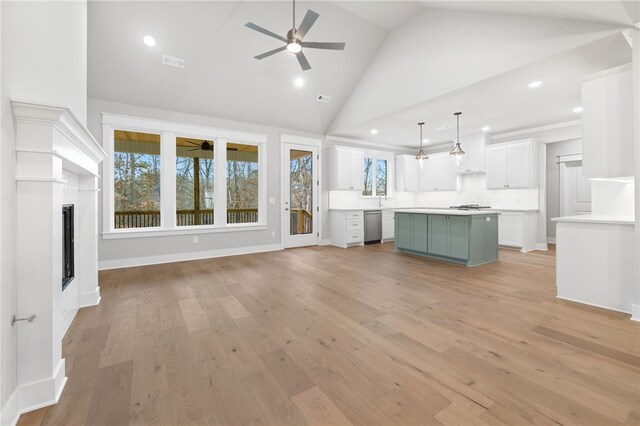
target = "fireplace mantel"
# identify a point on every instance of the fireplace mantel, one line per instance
(51, 143)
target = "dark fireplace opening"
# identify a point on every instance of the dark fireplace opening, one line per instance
(67, 245)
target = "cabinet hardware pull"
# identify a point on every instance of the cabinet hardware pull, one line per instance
(14, 319)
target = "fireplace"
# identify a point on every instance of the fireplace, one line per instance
(68, 253)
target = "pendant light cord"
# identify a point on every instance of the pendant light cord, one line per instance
(294, 17)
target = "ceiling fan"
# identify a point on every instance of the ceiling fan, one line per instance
(204, 146)
(294, 40)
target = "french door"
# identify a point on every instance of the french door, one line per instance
(300, 195)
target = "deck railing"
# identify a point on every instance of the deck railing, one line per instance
(300, 222)
(151, 218)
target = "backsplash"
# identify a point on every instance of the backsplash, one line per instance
(472, 189)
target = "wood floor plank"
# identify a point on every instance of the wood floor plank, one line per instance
(111, 395)
(194, 317)
(121, 340)
(233, 307)
(291, 377)
(318, 409)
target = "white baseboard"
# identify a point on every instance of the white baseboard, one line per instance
(609, 308)
(542, 246)
(34, 396)
(551, 240)
(11, 411)
(325, 242)
(183, 257)
(90, 299)
(635, 315)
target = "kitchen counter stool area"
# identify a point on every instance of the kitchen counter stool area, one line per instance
(465, 237)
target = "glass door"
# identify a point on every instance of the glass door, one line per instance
(300, 195)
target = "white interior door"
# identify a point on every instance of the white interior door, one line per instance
(300, 197)
(575, 191)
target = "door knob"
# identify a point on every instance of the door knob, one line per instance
(286, 208)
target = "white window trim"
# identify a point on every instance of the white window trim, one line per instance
(168, 132)
(381, 155)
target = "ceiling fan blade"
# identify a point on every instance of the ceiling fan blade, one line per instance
(319, 45)
(264, 31)
(192, 142)
(195, 149)
(306, 24)
(303, 61)
(271, 52)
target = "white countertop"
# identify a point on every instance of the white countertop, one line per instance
(449, 212)
(597, 218)
(492, 210)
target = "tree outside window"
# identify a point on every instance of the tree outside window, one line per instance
(375, 177)
(136, 179)
(242, 183)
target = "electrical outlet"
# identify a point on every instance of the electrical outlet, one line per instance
(273, 233)
(195, 240)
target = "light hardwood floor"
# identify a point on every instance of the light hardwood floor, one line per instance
(325, 335)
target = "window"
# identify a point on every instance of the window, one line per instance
(242, 183)
(136, 179)
(169, 178)
(375, 177)
(195, 188)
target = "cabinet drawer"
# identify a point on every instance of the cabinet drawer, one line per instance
(355, 236)
(355, 214)
(355, 224)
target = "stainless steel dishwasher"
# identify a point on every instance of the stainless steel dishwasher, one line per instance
(372, 226)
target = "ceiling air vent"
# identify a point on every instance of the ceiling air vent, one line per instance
(324, 99)
(173, 61)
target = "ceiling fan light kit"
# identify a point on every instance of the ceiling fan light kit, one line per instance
(294, 41)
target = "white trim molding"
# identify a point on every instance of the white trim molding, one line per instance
(168, 132)
(185, 257)
(51, 144)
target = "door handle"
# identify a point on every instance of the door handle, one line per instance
(286, 208)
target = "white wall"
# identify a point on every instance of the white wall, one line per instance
(553, 179)
(123, 252)
(43, 58)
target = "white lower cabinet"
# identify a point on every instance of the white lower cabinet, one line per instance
(518, 229)
(347, 227)
(388, 225)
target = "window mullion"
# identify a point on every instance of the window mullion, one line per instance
(220, 182)
(168, 180)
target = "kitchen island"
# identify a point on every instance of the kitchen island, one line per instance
(467, 237)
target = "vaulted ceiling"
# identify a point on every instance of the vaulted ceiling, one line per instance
(405, 61)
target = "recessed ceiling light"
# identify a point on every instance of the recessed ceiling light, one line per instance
(442, 127)
(486, 128)
(149, 41)
(425, 140)
(374, 131)
(535, 84)
(298, 82)
(577, 109)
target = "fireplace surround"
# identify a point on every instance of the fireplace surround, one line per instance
(57, 160)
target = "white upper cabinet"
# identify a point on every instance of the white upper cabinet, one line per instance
(347, 168)
(407, 173)
(607, 123)
(438, 173)
(473, 160)
(511, 165)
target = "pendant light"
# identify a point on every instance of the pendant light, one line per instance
(457, 151)
(421, 156)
